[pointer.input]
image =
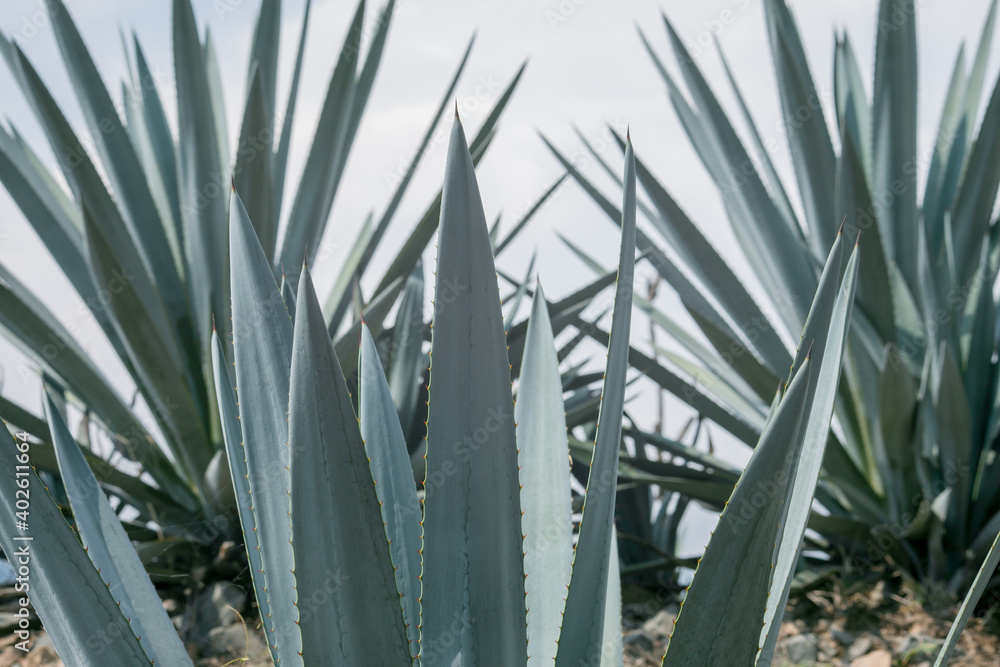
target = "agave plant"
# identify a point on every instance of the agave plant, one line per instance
(482, 567)
(910, 476)
(140, 233)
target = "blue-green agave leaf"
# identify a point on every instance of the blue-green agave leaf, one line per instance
(232, 435)
(262, 345)
(393, 476)
(734, 575)
(472, 602)
(76, 608)
(547, 522)
(831, 320)
(111, 551)
(581, 639)
(894, 132)
(335, 516)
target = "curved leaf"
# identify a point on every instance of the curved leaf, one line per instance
(76, 608)
(111, 551)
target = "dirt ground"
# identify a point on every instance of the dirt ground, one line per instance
(876, 626)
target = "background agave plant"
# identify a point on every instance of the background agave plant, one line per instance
(136, 221)
(910, 476)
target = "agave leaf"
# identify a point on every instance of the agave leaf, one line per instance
(75, 605)
(517, 296)
(547, 522)
(611, 651)
(331, 485)
(526, 218)
(214, 73)
(897, 429)
(253, 173)
(719, 388)
(977, 193)
(202, 196)
(288, 296)
(954, 440)
(406, 358)
(56, 221)
(111, 551)
(770, 176)
(715, 272)
(122, 166)
(738, 425)
(393, 476)
(147, 155)
(262, 342)
(894, 131)
(264, 60)
(339, 297)
(158, 130)
(562, 313)
(809, 140)
(853, 111)
(156, 361)
(58, 227)
(472, 602)
(373, 314)
(397, 196)
(979, 355)
(788, 259)
(232, 435)
(582, 636)
(51, 346)
(320, 178)
(83, 176)
(691, 297)
(951, 115)
(735, 572)
(855, 208)
(415, 245)
(969, 604)
(977, 74)
(285, 142)
(366, 77)
(833, 319)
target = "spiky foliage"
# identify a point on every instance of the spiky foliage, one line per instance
(336, 565)
(911, 475)
(141, 234)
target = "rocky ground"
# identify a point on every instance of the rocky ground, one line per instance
(873, 627)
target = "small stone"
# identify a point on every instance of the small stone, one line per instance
(862, 646)
(801, 648)
(235, 641)
(877, 658)
(639, 641)
(661, 625)
(843, 638)
(218, 605)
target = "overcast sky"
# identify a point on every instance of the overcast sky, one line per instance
(587, 68)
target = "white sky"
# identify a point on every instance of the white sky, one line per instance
(587, 67)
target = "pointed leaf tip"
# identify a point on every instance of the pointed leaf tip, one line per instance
(842, 223)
